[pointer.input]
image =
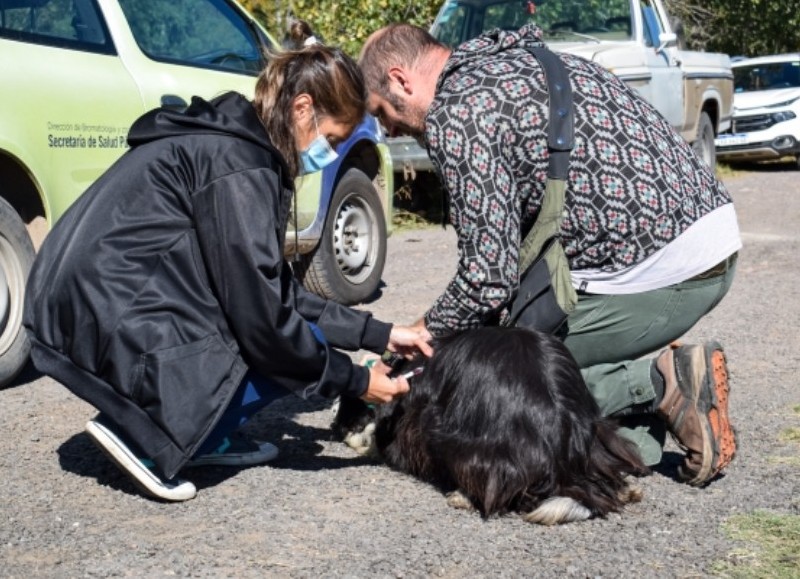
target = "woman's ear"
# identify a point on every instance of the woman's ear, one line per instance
(303, 120)
(302, 108)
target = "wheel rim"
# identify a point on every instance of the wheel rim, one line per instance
(12, 289)
(355, 240)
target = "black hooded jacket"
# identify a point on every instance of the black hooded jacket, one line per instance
(165, 282)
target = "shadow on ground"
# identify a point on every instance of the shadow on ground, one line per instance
(300, 450)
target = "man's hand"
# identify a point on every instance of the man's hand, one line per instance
(408, 340)
(383, 389)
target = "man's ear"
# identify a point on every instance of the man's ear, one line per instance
(400, 76)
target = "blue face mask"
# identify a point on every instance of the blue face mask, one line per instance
(319, 154)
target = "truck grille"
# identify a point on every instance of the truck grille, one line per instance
(752, 124)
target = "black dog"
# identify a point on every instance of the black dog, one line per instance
(502, 420)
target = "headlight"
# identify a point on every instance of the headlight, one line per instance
(782, 116)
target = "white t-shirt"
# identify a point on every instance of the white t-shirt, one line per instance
(703, 245)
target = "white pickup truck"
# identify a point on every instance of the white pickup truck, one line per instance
(631, 38)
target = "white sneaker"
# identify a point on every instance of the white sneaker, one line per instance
(144, 478)
(236, 450)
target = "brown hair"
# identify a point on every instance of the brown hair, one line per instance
(299, 32)
(397, 44)
(327, 74)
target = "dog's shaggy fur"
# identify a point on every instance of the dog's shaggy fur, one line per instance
(501, 420)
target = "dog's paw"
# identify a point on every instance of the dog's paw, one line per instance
(558, 510)
(631, 494)
(459, 500)
(363, 442)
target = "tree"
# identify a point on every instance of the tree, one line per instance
(740, 27)
(344, 24)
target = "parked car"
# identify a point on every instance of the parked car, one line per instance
(77, 73)
(766, 110)
(632, 38)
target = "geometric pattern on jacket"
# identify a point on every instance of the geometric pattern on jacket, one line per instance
(634, 184)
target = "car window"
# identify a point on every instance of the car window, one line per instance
(449, 27)
(508, 15)
(566, 20)
(573, 19)
(199, 33)
(766, 76)
(75, 24)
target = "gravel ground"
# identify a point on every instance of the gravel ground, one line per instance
(319, 510)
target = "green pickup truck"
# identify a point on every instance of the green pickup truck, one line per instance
(77, 73)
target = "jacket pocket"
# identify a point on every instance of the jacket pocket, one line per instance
(182, 387)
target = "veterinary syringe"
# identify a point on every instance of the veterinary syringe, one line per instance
(414, 372)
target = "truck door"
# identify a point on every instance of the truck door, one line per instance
(665, 90)
(70, 100)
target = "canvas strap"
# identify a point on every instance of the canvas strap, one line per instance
(560, 141)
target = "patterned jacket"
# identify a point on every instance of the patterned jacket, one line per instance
(634, 184)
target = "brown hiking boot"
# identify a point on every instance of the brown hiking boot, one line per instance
(695, 408)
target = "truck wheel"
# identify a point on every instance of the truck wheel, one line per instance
(348, 263)
(16, 258)
(704, 144)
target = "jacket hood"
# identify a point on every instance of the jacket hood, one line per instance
(490, 43)
(229, 114)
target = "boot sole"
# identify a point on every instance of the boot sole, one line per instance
(707, 369)
(694, 371)
(718, 417)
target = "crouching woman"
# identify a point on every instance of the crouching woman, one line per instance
(162, 297)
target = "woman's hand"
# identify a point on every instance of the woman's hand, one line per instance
(383, 389)
(408, 340)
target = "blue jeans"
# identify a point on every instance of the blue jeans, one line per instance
(254, 393)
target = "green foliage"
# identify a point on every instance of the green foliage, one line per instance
(791, 435)
(343, 24)
(773, 546)
(740, 27)
(406, 220)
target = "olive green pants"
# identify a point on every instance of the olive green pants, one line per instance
(609, 335)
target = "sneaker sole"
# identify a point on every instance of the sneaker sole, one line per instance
(119, 453)
(266, 452)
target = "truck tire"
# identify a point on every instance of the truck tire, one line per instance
(16, 258)
(704, 144)
(348, 263)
